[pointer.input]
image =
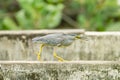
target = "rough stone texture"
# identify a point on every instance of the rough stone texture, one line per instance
(82, 70)
(17, 45)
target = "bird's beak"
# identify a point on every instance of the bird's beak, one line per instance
(83, 37)
(78, 37)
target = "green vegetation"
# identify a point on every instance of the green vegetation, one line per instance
(99, 15)
(35, 14)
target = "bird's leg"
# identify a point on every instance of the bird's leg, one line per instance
(56, 56)
(39, 53)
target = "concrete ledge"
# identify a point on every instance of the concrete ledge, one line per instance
(73, 70)
(36, 32)
(102, 33)
(57, 62)
(17, 45)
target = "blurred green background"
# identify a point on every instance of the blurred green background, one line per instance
(93, 15)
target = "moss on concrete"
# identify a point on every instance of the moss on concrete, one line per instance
(81, 70)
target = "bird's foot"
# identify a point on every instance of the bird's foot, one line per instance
(59, 58)
(38, 56)
(62, 60)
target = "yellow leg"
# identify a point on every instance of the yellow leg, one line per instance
(56, 56)
(39, 53)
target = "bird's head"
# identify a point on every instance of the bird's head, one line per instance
(75, 35)
(78, 36)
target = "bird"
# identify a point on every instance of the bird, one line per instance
(55, 40)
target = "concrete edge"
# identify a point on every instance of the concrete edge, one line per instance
(34, 32)
(29, 32)
(102, 33)
(56, 62)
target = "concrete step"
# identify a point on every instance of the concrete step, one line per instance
(51, 70)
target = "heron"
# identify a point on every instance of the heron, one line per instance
(55, 40)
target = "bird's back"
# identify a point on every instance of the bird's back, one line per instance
(57, 39)
(50, 39)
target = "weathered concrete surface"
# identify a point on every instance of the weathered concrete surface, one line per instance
(17, 45)
(79, 70)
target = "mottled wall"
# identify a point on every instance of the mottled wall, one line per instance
(17, 45)
(98, 46)
(94, 70)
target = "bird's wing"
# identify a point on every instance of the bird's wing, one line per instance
(59, 41)
(52, 40)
